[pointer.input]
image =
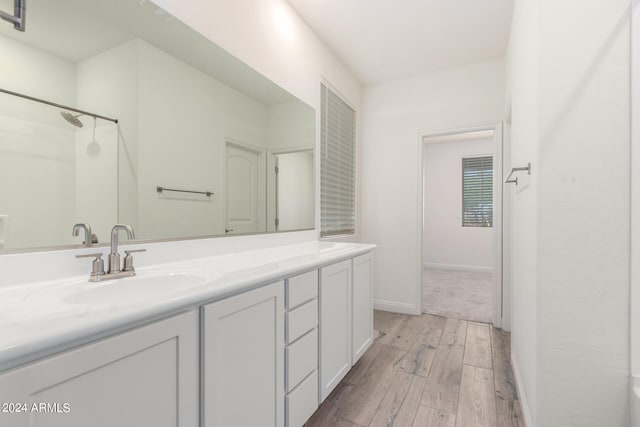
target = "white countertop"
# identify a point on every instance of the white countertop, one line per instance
(43, 318)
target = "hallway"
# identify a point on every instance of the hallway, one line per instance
(427, 371)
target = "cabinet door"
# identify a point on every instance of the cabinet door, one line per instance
(335, 325)
(362, 305)
(243, 359)
(145, 377)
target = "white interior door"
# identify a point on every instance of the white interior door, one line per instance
(295, 191)
(243, 167)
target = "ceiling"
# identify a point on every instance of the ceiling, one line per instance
(384, 40)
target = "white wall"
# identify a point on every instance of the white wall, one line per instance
(635, 199)
(584, 214)
(570, 97)
(446, 243)
(395, 117)
(23, 73)
(37, 149)
(107, 84)
(290, 127)
(183, 129)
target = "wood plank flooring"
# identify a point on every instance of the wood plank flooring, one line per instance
(427, 371)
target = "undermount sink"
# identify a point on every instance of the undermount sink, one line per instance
(145, 286)
(134, 288)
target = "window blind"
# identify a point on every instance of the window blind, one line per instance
(337, 169)
(477, 191)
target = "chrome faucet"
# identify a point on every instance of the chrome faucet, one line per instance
(89, 238)
(114, 256)
(114, 271)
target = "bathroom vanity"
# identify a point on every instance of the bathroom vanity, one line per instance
(255, 338)
(207, 333)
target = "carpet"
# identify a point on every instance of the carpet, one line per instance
(459, 294)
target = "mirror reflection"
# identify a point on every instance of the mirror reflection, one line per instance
(203, 145)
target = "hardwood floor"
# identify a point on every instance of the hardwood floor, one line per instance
(427, 371)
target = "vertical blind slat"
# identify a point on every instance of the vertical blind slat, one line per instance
(337, 170)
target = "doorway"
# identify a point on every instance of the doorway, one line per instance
(462, 225)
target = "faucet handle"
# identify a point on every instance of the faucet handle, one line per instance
(97, 255)
(97, 266)
(128, 259)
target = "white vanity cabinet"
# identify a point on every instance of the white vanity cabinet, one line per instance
(362, 306)
(302, 348)
(144, 377)
(265, 356)
(346, 318)
(335, 325)
(242, 361)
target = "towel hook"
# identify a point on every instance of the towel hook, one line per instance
(520, 169)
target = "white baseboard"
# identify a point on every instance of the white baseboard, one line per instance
(474, 268)
(522, 397)
(395, 307)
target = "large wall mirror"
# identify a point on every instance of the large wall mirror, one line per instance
(203, 145)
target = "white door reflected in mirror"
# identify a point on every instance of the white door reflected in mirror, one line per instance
(295, 191)
(244, 189)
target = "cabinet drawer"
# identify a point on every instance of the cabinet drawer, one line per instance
(302, 288)
(301, 320)
(302, 358)
(303, 401)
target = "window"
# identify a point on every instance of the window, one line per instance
(337, 165)
(477, 191)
